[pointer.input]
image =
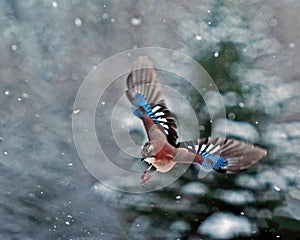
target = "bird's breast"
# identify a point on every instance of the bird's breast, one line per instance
(164, 155)
(161, 165)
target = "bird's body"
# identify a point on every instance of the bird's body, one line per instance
(162, 150)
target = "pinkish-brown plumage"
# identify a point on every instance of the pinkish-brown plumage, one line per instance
(162, 150)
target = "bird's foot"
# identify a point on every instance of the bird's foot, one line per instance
(147, 174)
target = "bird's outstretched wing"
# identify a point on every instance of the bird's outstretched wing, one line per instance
(225, 155)
(144, 92)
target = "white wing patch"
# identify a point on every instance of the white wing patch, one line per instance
(209, 147)
(215, 149)
(159, 114)
(156, 108)
(162, 119)
(202, 147)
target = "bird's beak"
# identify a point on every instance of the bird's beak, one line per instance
(142, 159)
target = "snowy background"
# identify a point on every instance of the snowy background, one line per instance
(47, 48)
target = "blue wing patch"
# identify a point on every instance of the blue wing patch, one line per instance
(137, 112)
(140, 101)
(210, 160)
(159, 113)
(213, 161)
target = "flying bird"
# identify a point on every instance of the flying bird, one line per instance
(162, 151)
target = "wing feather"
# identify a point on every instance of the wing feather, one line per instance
(144, 91)
(142, 79)
(238, 154)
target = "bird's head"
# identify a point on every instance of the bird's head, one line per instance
(147, 150)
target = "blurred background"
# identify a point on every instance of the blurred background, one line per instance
(250, 49)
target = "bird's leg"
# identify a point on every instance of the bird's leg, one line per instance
(145, 178)
(147, 174)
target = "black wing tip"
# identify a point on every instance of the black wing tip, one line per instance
(253, 154)
(142, 79)
(263, 152)
(142, 62)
